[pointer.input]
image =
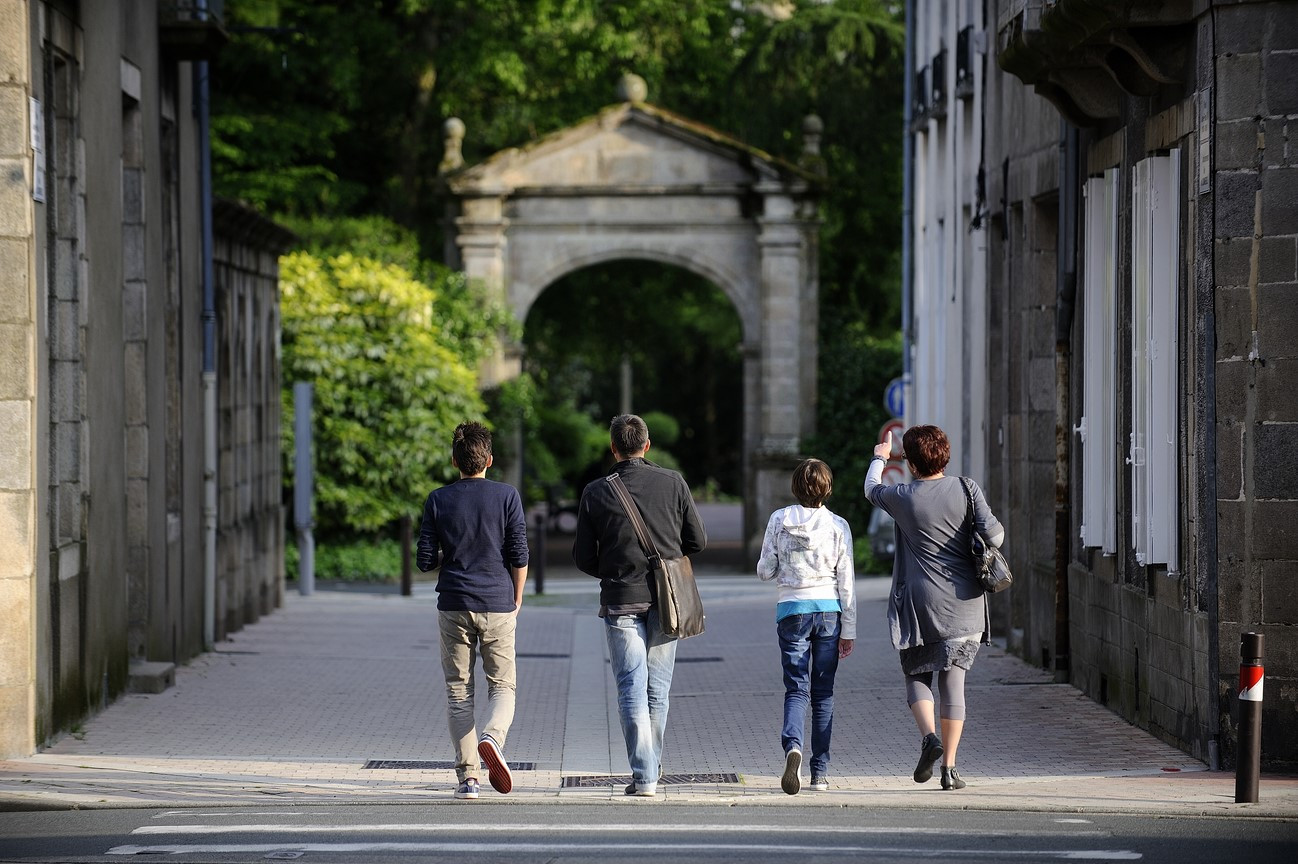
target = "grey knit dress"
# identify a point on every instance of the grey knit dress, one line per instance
(937, 611)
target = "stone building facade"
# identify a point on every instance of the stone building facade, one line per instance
(105, 560)
(1130, 188)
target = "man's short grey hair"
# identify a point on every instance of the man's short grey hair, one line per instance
(629, 434)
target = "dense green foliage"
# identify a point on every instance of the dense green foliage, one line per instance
(325, 112)
(368, 560)
(388, 391)
(855, 368)
(686, 369)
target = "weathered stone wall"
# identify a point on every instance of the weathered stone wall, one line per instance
(101, 409)
(250, 526)
(19, 561)
(1256, 279)
(1160, 644)
(1021, 354)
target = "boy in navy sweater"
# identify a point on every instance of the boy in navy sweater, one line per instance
(474, 530)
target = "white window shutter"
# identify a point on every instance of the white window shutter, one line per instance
(1099, 395)
(1140, 269)
(1108, 428)
(1164, 428)
(1154, 393)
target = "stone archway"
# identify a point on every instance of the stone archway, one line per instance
(636, 181)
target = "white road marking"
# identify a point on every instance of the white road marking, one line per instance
(626, 848)
(190, 814)
(549, 828)
(1073, 821)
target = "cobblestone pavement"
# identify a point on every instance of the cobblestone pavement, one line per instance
(299, 707)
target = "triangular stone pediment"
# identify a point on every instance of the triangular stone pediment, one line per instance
(633, 147)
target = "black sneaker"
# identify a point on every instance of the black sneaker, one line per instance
(790, 781)
(930, 751)
(951, 778)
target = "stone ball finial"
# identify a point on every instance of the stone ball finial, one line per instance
(812, 127)
(632, 88)
(452, 138)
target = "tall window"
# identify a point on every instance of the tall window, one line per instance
(1099, 396)
(1154, 428)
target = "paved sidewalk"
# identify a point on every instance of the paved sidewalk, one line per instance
(293, 708)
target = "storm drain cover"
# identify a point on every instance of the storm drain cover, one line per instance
(433, 765)
(588, 781)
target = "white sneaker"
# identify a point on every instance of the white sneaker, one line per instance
(645, 790)
(790, 781)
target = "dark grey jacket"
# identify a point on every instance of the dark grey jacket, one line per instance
(606, 545)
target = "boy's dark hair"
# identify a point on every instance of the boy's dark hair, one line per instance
(812, 482)
(471, 446)
(927, 449)
(628, 434)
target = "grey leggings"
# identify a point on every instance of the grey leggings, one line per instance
(950, 683)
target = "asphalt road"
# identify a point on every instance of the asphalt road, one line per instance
(631, 831)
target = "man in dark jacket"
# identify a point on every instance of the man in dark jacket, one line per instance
(642, 657)
(474, 530)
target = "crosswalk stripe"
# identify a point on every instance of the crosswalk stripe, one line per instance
(546, 828)
(623, 848)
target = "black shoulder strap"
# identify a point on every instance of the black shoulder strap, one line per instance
(637, 521)
(968, 497)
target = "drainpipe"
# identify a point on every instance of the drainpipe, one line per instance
(907, 204)
(209, 348)
(1066, 293)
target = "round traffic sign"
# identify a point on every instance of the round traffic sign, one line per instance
(893, 426)
(893, 474)
(894, 398)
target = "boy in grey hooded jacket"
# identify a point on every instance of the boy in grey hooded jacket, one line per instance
(807, 550)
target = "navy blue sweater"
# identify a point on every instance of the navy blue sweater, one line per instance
(474, 529)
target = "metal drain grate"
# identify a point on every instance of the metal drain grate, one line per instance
(433, 765)
(699, 660)
(524, 655)
(590, 781)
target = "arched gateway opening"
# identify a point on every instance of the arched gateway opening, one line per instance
(636, 182)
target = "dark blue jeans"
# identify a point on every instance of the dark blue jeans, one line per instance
(809, 651)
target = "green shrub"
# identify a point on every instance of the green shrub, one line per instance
(377, 560)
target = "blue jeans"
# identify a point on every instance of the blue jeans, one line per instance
(809, 652)
(643, 660)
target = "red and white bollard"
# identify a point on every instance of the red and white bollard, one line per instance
(1249, 761)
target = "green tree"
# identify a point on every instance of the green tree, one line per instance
(336, 110)
(388, 392)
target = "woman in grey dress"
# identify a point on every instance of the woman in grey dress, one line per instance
(937, 611)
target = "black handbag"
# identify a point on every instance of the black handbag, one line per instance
(992, 568)
(680, 609)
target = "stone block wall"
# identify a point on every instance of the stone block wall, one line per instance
(1255, 253)
(18, 498)
(251, 516)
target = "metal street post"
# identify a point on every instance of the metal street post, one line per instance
(302, 482)
(1249, 762)
(537, 570)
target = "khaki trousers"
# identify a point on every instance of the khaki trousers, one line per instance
(464, 635)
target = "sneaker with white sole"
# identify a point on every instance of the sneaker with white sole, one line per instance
(791, 781)
(819, 784)
(497, 768)
(468, 790)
